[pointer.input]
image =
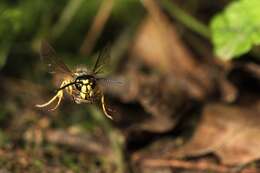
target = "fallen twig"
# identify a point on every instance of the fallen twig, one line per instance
(201, 165)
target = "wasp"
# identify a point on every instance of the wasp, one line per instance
(82, 84)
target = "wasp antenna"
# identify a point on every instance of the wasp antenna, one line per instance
(63, 86)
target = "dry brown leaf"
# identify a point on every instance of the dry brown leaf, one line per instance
(254, 69)
(163, 49)
(158, 97)
(158, 47)
(231, 132)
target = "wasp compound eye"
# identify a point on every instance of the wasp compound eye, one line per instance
(92, 84)
(78, 85)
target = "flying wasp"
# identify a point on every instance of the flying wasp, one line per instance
(82, 84)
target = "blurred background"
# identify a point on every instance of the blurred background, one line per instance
(189, 102)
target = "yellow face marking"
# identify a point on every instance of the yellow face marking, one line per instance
(69, 89)
(83, 91)
(85, 81)
(91, 93)
(89, 88)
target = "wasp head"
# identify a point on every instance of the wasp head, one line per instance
(86, 84)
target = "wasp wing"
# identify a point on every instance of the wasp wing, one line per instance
(50, 58)
(111, 85)
(103, 59)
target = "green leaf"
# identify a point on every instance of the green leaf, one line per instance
(237, 29)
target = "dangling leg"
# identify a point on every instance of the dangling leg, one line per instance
(59, 100)
(59, 95)
(49, 102)
(104, 107)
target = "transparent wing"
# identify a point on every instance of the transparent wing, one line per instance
(110, 81)
(53, 63)
(103, 59)
(109, 84)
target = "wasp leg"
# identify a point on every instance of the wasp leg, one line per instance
(104, 107)
(59, 95)
(49, 102)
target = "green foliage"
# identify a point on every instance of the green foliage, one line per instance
(236, 29)
(185, 18)
(16, 20)
(10, 25)
(29, 21)
(122, 9)
(75, 15)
